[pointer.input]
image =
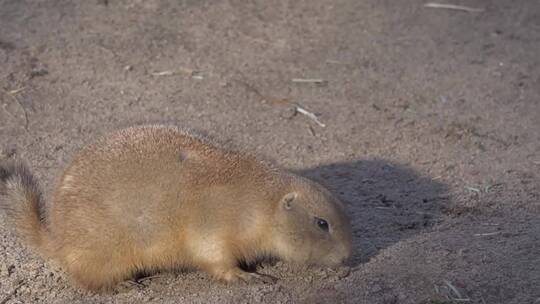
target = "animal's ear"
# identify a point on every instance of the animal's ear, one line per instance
(287, 200)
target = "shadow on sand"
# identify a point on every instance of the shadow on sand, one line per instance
(387, 202)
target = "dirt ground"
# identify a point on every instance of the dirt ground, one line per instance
(431, 136)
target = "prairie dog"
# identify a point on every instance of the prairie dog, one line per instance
(157, 197)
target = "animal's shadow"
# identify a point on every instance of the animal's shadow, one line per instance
(386, 202)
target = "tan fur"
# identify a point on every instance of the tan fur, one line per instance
(20, 198)
(157, 197)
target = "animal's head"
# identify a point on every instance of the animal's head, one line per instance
(310, 226)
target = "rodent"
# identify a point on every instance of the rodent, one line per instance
(158, 197)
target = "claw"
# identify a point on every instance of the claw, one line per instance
(262, 278)
(249, 277)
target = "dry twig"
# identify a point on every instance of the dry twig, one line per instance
(15, 91)
(458, 296)
(12, 94)
(181, 71)
(297, 107)
(473, 189)
(488, 234)
(454, 7)
(309, 80)
(310, 115)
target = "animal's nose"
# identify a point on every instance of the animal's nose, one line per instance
(345, 258)
(347, 251)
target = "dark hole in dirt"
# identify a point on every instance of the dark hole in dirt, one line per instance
(5, 45)
(387, 202)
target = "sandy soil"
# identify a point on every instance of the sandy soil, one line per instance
(431, 137)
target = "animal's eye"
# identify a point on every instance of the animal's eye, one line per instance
(322, 224)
